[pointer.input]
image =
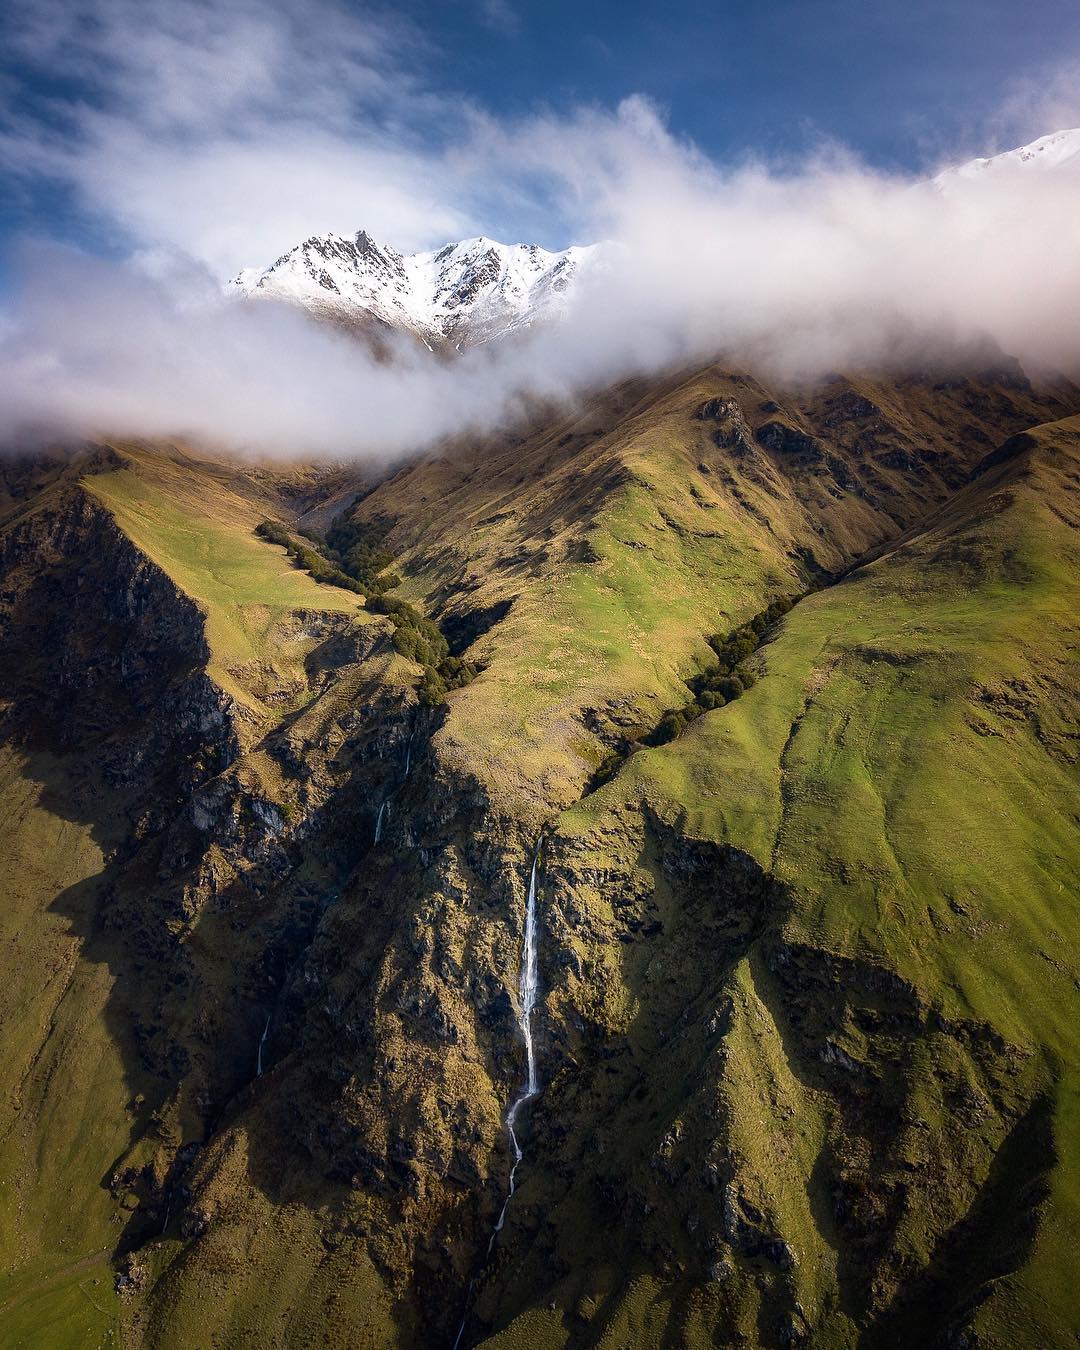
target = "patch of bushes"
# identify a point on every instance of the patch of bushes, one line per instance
(357, 550)
(712, 689)
(729, 678)
(307, 558)
(419, 638)
(355, 558)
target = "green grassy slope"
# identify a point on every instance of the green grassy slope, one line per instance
(56, 1221)
(906, 764)
(625, 533)
(908, 750)
(197, 524)
(875, 992)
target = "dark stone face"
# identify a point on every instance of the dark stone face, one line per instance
(785, 440)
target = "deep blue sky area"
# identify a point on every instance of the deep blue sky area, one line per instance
(142, 126)
(897, 81)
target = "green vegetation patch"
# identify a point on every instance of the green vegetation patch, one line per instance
(197, 527)
(358, 564)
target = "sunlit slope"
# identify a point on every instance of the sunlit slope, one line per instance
(597, 551)
(195, 519)
(909, 751)
(906, 765)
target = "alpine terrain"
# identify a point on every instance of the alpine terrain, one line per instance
(607, 883)
(461, 296)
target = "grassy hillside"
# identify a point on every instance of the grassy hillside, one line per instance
(906, 767)
(56, 1235)
(197, 522)
(910, 748)
(620, 536)
(809, 978)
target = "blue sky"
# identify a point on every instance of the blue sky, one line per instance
(900, 82)
(226, 131)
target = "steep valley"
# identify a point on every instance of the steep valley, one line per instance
(807, 972)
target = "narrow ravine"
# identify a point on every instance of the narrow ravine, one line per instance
(528, 994)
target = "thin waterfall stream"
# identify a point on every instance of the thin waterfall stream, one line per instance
(528, 989)
(384, 809)
(262, 1042)
(528, 993)
(379, 819)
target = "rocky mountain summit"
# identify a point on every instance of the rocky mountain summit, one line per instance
(478, 290)
(461, 295)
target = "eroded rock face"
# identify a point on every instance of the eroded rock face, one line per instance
(726, 1105)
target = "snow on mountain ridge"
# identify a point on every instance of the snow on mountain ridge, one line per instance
(464, 293)
(476, 290)
(1056, 151)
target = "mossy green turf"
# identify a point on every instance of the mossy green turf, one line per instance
(199, 528)
(66, 1307)
(905, 764)
(56, 1230)
(623, 628)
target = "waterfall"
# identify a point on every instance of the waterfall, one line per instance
(528, 992)
(262, 1042)
(384, 809)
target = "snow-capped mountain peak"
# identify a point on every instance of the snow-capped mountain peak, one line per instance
(464, 293)
(1059, 151)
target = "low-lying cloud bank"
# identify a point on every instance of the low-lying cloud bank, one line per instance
(201, 138)
(833, 268)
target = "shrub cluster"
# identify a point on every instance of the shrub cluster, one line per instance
(355, 558)
(308, 558)
(728, 678)
(417, 637)
(357, 550)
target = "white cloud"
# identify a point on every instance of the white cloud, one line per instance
(230, 131)
(282, 130)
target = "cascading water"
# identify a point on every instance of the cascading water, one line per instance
(384, 809)
(262, 1042)
(528, 992)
